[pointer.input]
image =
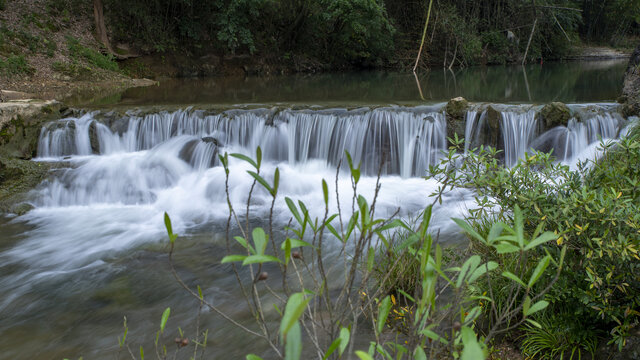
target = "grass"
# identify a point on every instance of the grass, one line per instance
(93, 57)
(15, 65)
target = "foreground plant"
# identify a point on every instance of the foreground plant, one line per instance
(323, 303)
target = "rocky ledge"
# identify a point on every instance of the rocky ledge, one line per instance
(631, 90)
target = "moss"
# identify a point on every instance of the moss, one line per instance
(17, 178)
(555, 114)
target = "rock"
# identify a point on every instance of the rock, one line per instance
(631, 351)
(631, 88)
(22, 208)
(494, 118)
(214, 141)
(457, 107)
(8, 95)
(555, 114)
(93, 138)
(456, 110)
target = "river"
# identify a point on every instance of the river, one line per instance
(94, 248)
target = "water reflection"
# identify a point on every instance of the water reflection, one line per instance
(567, 82)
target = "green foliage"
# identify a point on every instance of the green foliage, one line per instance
(594, 211)
(93, 57)
(559, 336)
(356, 31)
(15, 65)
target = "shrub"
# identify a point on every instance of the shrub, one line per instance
(595, 211)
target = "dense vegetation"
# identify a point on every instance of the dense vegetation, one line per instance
(312, 35)
(374, 32)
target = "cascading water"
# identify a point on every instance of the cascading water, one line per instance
(404, 140)
(518, 130)
(125, 171)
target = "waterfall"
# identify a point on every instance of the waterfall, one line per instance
(567, 142)
(404, 141)
(518, 130)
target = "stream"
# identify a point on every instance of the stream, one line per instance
(94, 248)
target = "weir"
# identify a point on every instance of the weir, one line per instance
(401, 141)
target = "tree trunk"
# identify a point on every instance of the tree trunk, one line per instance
(101, 29)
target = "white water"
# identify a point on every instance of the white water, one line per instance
(109, 203)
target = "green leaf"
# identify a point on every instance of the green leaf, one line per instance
(253, 357)
(356, 175)
(514, 277)
(481, 270)
(469, 230)
(363, 355)
(539, 270)
(325, 192)
(472, 349)
(496, 230)
(519, 226)
(334, 345)
(506, 248)
(243, 242)
(383, 313)
(260, 259)
(534, 323)
(293, 209)
(293, 345)
(540, 305)
(245, 158)
(258, 157)
(433, 336)
(165, 317)
(199, 292)
(232, 258)
(546, 237)
(141, 353)
(260, 240)
(292, 312)
(261, 180)
(470, 265)
(419, 354)
(167, 224)
(526, 305)
(371, 258)
(295, 243)
(344, 337)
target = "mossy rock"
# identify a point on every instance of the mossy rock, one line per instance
(555, 114)
(494, 118)
(457, 107)
(17, 178)
(456, 110)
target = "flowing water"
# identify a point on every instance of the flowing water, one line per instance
(94, 249)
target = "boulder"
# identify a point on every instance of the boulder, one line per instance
(631, 89)
(494, 118)
(555, 114)
(456, 110)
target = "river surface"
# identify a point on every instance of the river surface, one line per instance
(94, 248)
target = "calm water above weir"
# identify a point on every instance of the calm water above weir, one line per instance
(94, 249)
(571, 82)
